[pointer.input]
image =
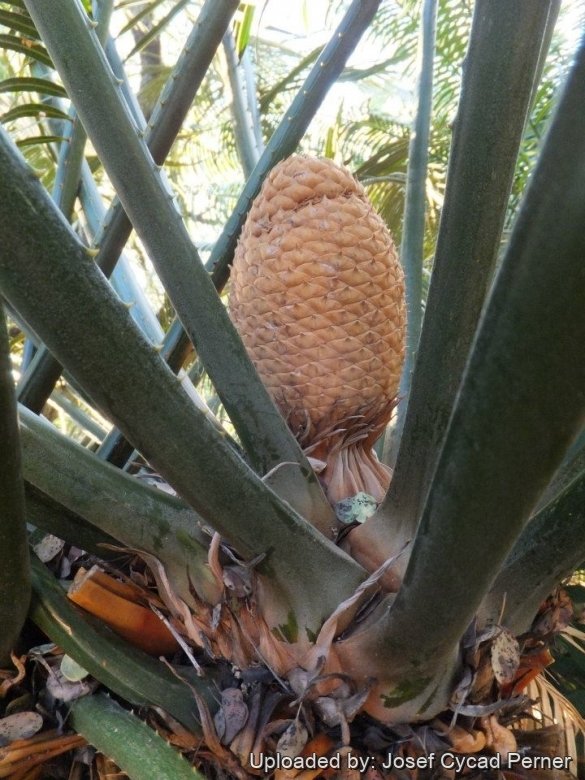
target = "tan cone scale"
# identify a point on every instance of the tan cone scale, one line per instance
(317, 294)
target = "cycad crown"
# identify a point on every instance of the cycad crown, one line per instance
(317, 295)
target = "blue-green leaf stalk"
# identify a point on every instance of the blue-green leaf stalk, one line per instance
(248, 150)
(502, 59)
(161, 131)
(549, 550)
(413, 232)
(68, 301)
(520, 406)
(14, 560)
(135, 514)
(149, 203)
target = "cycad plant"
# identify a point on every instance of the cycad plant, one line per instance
(317, 643)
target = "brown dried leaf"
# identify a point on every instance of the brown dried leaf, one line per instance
(505, 656)
(23, 758)
(554, 615)
(345, 612)
(213, 557)
(479, 710)
(238, 579)
(175, 732)
(216, 617)
(462, 688)
(292, 740)
(260, 708)
(61, 688)
(219, 723)
(212, 742)
(464, 741)
(174, 603)
(231, 716)
(329, 709)
(106, 769)
(300, 680)
(9, 681)
(353, 704)
(483, 679)
(48, 548)
(21, 725)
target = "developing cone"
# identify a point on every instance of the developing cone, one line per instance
(317, 294)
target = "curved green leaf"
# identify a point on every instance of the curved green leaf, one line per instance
(39, 110)
(35, 140)
(243, 28)
(125, 670)
(412, 245)
(31, 84)
(23, 46)
(135, 747)
(18, 22)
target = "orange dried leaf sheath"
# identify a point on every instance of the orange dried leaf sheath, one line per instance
(126, 590)
(317, 295)
(20, 758)
(137, 624)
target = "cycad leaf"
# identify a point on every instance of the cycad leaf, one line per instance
(549, 549)
(155, 31)
(26, 46)
(135, 747)
(146, 10)
(39, 110)
(467, 246)
(243, 28)
(31, 84)
(18, 22)
(39, 139)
